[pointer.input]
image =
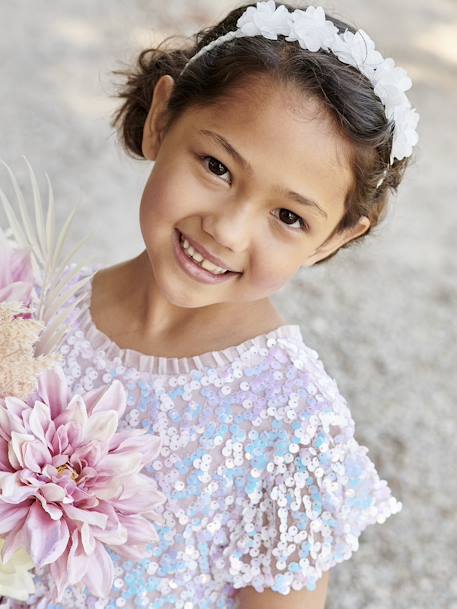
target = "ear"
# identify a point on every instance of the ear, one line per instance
(155, 120)
(335, 242)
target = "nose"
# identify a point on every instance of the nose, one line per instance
(231, 226)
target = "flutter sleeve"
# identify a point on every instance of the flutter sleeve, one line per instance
(311, 490)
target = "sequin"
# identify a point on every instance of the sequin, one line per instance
(266, 484)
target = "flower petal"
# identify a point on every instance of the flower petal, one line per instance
(21, 265)
(52, 492)
(139, 495)
(5, 426)
(92, 517)
(52, 389)
(59, 576)
(140, 530)
(18, 291)
(47, 538)
(124, 464)
(87, 538)
(16, 448)
(101, 425)
(39, 420)
(76, 412)
(88, 455)
(54, 512)
(138, 441)
(112, 398)
(13, 492)
(14, 409)
(11, 516)
(13, 541)
(36, 456)
(100, 572)
(78, 562)
(114, 533)
(5, 465)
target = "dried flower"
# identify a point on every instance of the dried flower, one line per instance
(18, 365)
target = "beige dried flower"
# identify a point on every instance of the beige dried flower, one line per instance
(18, 365)
(58, 280)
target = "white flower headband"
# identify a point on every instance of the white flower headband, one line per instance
(313, 32)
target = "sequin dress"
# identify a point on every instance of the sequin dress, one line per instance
(266, 484)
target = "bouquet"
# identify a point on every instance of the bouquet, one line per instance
(71, 483)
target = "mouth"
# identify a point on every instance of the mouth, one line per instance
(211, 274)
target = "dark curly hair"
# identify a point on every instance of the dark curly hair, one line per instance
(344, 91)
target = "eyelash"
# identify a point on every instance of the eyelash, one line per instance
(304, 225)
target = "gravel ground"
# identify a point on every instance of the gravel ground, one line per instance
(380, 315)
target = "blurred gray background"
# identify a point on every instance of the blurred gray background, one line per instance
(381, 315)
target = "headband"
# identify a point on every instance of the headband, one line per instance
(314, 32)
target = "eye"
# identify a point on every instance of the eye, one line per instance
(217, 168)
(287, 215)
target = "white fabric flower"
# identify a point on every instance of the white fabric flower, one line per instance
(312, 30)
(405, 138)
(358, 50)
(392, 98)
(15, 580)
(390, 83)
(264, 19)
(387, 71)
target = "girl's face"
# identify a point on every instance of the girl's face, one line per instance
(224, 176)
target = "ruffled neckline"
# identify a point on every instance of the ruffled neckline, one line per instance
(157, 364)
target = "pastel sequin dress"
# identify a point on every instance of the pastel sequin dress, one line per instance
(266, 484)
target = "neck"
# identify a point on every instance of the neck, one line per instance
(143, 310)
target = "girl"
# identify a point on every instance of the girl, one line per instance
(275, 138)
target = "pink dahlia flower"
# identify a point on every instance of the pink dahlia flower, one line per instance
(16, 274)
(70, 484)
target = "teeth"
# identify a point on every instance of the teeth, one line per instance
(206, 264)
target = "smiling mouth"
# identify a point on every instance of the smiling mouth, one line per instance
(199, 259)
(195, 270)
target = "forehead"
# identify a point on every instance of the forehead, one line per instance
(287, 137)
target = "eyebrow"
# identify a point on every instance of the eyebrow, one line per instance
(290, 194)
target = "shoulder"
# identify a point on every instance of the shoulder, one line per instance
(311, 488)
(300, 375)
(307, 435)
(310, 417)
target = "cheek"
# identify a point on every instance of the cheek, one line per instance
(165, 199)
(272, 277)
(155, 205)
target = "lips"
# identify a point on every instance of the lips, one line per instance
(194, 270)
(201, 250)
